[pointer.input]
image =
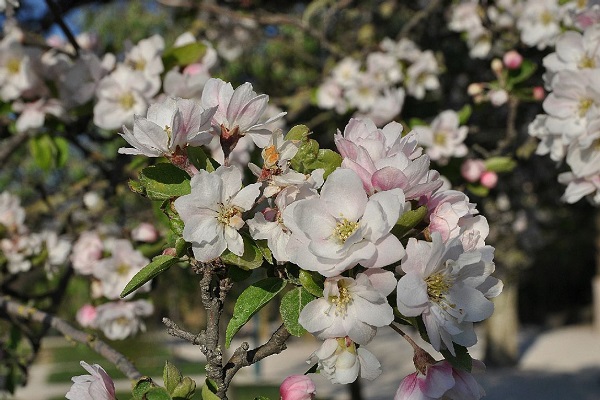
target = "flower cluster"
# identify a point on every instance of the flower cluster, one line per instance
(339, 225)
(22, 250)
(569, 128)
(110, 263)
(377, 91)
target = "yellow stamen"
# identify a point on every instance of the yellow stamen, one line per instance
(345, 229)
(127, 101)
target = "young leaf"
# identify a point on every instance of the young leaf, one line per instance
(462, 360)
(409, 220)
(522, 74)
(198, 157)
(208, 391)
(478, 190)
(163, 181)
(158, 265)
(141, 387)
(183, 55)
(312, 282)
(40, 148)
(298, 132)
(464, 114)
(500, 164)
(157, 393)
(171, 377)
(250, 302)
(264, 249)
(251, 259)
(291, 305)
(185, 389)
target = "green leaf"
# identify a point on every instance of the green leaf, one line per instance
(157, 393)
(291, 305)
(183, 55)
(251, 259)
(312, 282)
(408, 221)
(464, 114)
(61, 146)
(327, 159)
(141, 387)
(527, 69)
(163, 181)
(250, 302)
(309, 157)
(209, 390)
(263, 246)
(298, 132)
(185, 389)
(261, 398)
(416, 122)
(462, 360)
(478, 190)
(171, 376)
(500, 164)
(198, 157)
(40, 148)
(238, 274)
(158, 265)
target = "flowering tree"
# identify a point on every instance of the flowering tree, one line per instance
(348, 239)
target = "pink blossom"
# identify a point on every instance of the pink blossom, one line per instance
(144, 232)
(86, 252)
(439, 380)
(297, 387)
(97, 386)
(539, 93)
(489, 179)
(512, 59)
(472, 169)
(86, 316)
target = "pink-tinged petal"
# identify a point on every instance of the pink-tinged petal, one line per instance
(465, 387)
(150, 134)
(438, 380)
(297, 387)
(370, 368)
(363, 174)
(383, 281)
(409, 389)
(389, 251)
(411, 295)
(251, 112)
(418, 253)
(389, 178)
(434, 331)
(344, 195)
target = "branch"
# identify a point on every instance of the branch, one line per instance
(176, 331)
(418, 17)
(55, 9)
(10, 145)
(511, 129)
(28, 313)
(261, 17)
(243, 357)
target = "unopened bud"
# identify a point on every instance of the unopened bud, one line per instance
(489, 179)
(512, 59)
(297, 387)
(497, 66)
(539, 93)
(170, 251)
(474, 89)
(472, 169)
(498, 97)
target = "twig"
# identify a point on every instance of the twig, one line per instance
(511, 129)
(59, 20)
(25, 312)
(175, 330)
(10, 145)
(261, 17)
(243, 357)
(418, 17)
(414, 345)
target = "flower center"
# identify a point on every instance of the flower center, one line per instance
(584, 106)
(344, 229)
(123, 269)
(341, 301)
(127, 101)
(439, 139)
(546, 18)
(13, 66)
(438, 286)
(271, 156)
(137, 65)
(587, 62)
(230, 215)
(168, 131)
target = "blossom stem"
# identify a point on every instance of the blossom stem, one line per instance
(414, 345)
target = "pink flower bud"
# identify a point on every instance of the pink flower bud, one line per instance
(297, 387)
(471, 170)
(489, 179)
(144, 232)
(170, 251)
(539, 93)
(193, 69)
(86, 316)
(512, 59)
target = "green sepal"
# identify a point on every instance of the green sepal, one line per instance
(408, 221)
(158, 265)
(185, 389)
(298, 132)
(183, 55)
(291, 305)
(464, 114)
(416, 122)
(163, 181)
(157, 393)
(500, 164)
(524, 72)
(252, 299)
(251, 259)
(313, 282)
(309, 157)
(141, 387)
(171, 376)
